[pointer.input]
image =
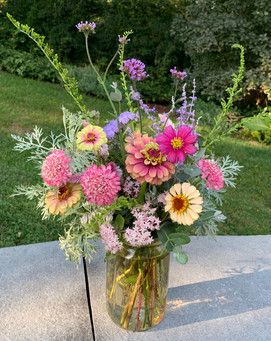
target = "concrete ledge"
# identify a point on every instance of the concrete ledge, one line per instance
(223, 293)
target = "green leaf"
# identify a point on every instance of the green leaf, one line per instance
(119, 222)
(192, 171)
(180, 255)
(199, 154)
(179, 238)
(131, 279)
(170, 237)
(116, 96)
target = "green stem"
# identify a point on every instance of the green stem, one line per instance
(130, 305)
(99, 78)
(109, 65)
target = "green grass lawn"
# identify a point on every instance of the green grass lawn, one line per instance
(25, 103)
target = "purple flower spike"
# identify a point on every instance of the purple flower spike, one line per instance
(134, 68)
(178, 74)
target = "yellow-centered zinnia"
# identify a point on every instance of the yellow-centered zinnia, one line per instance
(60, 199)
(184, 203)
(91, 138)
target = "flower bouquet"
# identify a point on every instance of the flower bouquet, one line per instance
(140, 180)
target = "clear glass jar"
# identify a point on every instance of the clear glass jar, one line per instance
(137, 285)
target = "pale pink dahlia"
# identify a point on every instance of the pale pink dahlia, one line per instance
(212, 174)
(145, 161)
(110, 238)
(100, 184)
(177, 144)
(55, 170)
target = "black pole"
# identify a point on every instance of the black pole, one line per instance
(88, 298)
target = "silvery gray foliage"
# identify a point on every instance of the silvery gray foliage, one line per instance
(230, 170)
(37, 144)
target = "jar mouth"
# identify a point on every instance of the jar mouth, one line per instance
(153, 250)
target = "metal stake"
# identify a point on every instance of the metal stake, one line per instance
(88, 298)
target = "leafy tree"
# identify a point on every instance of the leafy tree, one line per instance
(207, 29)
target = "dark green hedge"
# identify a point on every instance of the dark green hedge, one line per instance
(195, 35)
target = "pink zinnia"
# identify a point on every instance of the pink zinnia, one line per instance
(145, 161)
(110, 238)
(55, 170)
(100, 184)
(212, 174)
(176, 144)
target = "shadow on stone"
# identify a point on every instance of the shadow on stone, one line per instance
(215, 299)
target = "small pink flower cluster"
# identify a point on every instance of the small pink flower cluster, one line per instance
(110, 238)
(212, 174)
(178, 74)
(145, 222)
(101, 184)
(55, 170)
(134, 68)
(131, 188)
(123, 40)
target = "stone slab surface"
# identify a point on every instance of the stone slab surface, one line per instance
(222, 294)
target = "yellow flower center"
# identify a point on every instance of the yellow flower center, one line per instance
(176, 143)
(91, 137)
(152, 154)
(64, 192)
(180, 203)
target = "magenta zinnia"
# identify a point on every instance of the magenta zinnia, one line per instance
(145, 161)
(177, 144)
(55, 170)
(101, 184)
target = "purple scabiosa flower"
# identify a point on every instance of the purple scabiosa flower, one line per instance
(126, 116)
(86, 27)
(111, 129)
(123, 40)
(134, 68)
(178, 74)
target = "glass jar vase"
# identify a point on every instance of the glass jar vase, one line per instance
(136, 286)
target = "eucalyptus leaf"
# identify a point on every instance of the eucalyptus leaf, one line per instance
(199, 154)
(116, 96)
(180, 255)
(192, 171)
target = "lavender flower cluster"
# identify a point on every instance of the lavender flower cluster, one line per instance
(86, 26)
(178, 74)
(134, 68)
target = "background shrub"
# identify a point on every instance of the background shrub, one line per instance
(193, 35)
(206, 30)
